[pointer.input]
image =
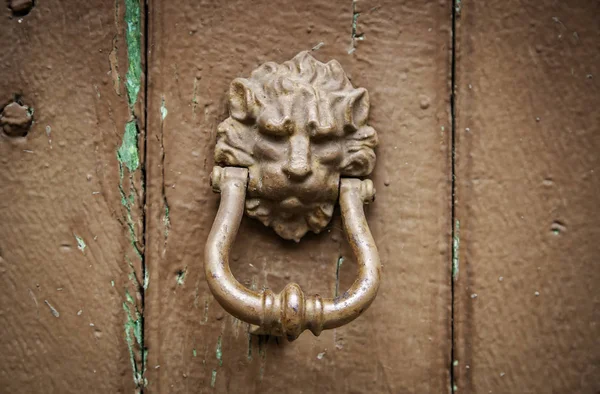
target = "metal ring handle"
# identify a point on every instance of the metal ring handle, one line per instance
(290, 312)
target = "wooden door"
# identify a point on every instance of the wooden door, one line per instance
(526, 304)
(486, 213)
(71, 197)
(196, 49)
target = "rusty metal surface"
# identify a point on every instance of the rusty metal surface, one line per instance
(290, 312)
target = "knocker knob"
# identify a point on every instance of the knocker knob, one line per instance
(290, 312)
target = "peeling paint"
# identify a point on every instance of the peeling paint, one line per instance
(219, 351)
(456, 250)
(134, 50)
(213, 378)
(163, 110)
(166, 219)
(354, 35)
(146, 280)
(128, 154)
(180, 276)
(80, 243)
(457, 7)
(318, 46)
(135, 339)
(337, 275)
(128, 157)
(52, 309)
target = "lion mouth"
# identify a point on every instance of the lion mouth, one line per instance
(290, 218)
(292, 204)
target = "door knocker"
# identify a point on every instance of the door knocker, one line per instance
(296, 139)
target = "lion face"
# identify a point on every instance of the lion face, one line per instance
(297, 127)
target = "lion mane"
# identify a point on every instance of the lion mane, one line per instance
(302, 89)
(302, 92)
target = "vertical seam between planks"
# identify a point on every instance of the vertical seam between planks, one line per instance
(145, 188)
(455, 4)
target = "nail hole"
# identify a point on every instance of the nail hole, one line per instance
(16, 118)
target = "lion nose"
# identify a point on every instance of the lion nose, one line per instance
(298, 164)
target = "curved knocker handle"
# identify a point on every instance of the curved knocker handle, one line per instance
(291, 311)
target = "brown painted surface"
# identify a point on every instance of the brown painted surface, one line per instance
(527, 139)
(528, 143)
(402, 342)
(62, 238)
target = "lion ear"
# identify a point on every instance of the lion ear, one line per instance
(242, 102)
(359, 156)
(357, 108)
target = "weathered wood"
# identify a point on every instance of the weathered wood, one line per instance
(64, 238)
(528, 138)
(402, 343)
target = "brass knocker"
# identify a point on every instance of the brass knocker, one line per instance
(296, 139)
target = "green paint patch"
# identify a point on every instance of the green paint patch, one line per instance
(337, 275)
(194, 352)
(457, 7)
(166, 219)
(146, 280)
(80, 243)
(163, 110)
(133, 35)
(128, 154)
(219, 351)
(180, 276)
(355, 36)
(129, 298)
(456, 250)
(128, 157)
(213, 378)
(134, 337)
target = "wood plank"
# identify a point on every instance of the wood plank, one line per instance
(64, 238)
(402, 343)
(528, 137)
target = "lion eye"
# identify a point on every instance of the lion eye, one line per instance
(276, 129)
(273, 135)
(328, 151)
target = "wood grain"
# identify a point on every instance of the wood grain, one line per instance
(402, 343)
(63, 238)
(528, 137)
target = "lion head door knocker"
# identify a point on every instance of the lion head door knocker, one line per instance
(296, 140)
